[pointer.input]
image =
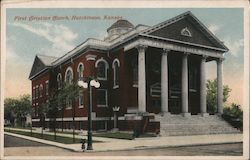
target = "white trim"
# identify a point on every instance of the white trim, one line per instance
(40, 90)
(159, 42)
(135, 85)
(78, 119)
(91, 57)
(35, 120)
(57, 79)
(79, 71)
(68, 107)
(37, 91)
(114, 73)
(79, 105)
(47, 89)
(81, 119)
(69, 69)
(115, 60)
(106, 98)
(106, 68)
(186, 32)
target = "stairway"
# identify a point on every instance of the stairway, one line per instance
(177, 125)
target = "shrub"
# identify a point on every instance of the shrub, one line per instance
(234, 115)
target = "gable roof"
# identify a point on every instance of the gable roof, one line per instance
(188, 15)
(47, 60)
(40, 64)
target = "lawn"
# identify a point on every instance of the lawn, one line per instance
(60, 139)
(118, 135)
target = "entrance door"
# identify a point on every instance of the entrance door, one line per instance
(155, 96)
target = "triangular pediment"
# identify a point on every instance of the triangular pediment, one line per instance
(37, 67)
(186, 28)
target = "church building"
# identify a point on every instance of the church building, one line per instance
(143, 71)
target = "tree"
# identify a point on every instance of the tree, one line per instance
(71, 91)
(42, 111)
(17, 109)
(57, 101)
(212, 95)
(53, 108)
(9, 104)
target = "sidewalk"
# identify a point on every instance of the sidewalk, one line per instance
(110, 144)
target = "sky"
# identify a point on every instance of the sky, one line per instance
(26, 37)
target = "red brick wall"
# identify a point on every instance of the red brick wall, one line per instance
(37, 81)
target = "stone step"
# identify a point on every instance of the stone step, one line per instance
(194, 125)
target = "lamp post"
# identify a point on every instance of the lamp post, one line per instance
(89, 84)
(115, 110)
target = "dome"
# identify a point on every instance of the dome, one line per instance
(122, 23)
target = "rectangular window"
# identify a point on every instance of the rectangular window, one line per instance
(193, 79)
(102, 98)
(135, 76)
(33, 93)
(36, 112)
(68, 103)
(37, 94)
(81, 99)
(47, 87)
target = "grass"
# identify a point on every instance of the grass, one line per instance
(60, 139)
(118, 135)
(26, 128)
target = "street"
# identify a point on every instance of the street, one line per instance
(20, 147)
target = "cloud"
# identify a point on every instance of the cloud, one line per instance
(10, 52)
(214, 28)
(234, 45)
(60, 36)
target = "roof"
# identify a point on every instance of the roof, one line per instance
(122, 23)
(47, 60)
(41, 63)
(195, 20)
(139, 30)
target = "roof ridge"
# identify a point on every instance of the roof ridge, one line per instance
(46, 56)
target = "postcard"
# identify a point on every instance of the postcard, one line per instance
(125, 80)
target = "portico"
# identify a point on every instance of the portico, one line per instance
(185, 52)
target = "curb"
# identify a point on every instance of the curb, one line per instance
(39, 140)
(125, 149)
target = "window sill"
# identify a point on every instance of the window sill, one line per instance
(105, 106)
(135, 85)
(101, 79)
(68, 108)
(81, 106)
(193, 90)
(116, 86)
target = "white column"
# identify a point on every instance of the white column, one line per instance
(219, 87)
(141, 79)
(203, 98)
(184, 86)
(164, 82)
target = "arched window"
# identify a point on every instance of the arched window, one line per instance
(135, 72)
(59, 81)
(102, 69)
(69, 75)
(80, 70)
(116, 69)
(41, 90)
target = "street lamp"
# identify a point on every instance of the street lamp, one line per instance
(89, 83)
(115, 110)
